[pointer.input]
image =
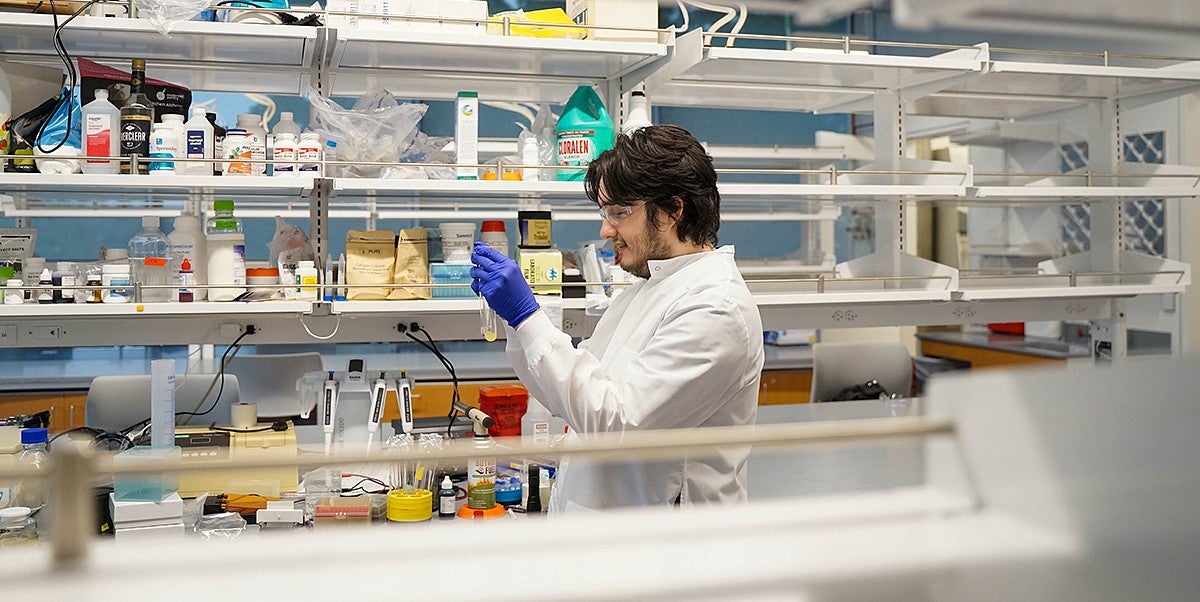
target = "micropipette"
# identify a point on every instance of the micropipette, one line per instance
(487, 320)
(378, 396)
(404, 398)
(331, 399)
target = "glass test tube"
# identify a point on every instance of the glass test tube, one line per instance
(487, 320)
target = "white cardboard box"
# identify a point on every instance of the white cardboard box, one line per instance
(616, 13)
(395, 11)
(144, 512)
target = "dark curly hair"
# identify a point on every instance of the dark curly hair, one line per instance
(656, 164)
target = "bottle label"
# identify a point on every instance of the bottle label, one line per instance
(178, 252)
(162, 147)
(135, 135)
(481, 483)
(239, 264)
(195, 144)
(308, 156)
(576, 147)
(98, 137)
(446, 506)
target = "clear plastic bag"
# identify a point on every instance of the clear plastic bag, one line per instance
(164, 15)
(543, 127)
(377, 129)
(224, 525)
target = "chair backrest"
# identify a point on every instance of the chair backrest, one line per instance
(119, 401)
(840, 365)
(269, 381)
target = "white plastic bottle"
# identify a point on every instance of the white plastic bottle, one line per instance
(492, 233)
(308, 154)
(148, 250)
(164, 144)
(175, 122)
(186, 241)
(306, 277)
(536, 422)
(257, 137)
(197, 144)
(101, 122)
(639, 113)
(226, 252)
(287, 139)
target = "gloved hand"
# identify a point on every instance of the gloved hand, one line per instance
(499, 280)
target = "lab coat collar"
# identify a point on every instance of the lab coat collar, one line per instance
(662, 268)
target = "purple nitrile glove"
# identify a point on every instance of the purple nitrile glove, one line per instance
(499, 280)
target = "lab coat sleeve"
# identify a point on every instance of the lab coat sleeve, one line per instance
(699, 354)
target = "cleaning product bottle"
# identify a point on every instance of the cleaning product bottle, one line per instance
(639, 113)
(584, 131)
(481, 475)
(101, 135)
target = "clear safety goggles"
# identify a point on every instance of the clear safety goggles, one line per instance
(615, 213)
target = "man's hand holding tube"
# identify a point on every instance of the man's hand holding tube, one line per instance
(499, 280)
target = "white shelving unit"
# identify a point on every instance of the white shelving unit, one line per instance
(888, 287)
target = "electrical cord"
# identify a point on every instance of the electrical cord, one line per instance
(278, 426)
(72, 74)
(432, 347)
(220, 377)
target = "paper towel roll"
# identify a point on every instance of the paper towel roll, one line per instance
(244, 415)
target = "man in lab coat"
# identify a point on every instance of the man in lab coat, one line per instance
(681, 348)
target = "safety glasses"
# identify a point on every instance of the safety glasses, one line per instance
(615, 213)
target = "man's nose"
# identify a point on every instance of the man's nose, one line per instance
(607, 230)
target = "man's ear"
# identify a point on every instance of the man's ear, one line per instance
(676, 208)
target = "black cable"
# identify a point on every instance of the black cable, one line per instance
(432, 347)
(236, 344)
(72, 75)
(220, 377)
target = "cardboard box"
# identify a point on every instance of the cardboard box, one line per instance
(396, 10)
(542, 269)
(616, 13)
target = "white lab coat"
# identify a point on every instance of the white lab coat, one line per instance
(683, 349)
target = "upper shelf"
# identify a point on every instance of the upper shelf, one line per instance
(967, 82)
(804, 79)
(438, 65)
(218, 57)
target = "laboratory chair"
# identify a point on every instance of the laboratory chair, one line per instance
(120, 401)
(837, 366)
(269, 381)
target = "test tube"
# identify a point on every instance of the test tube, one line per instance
(487, 320)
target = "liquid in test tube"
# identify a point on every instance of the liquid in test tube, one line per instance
(487, 320)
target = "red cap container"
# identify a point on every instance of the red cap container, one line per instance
(506, 404)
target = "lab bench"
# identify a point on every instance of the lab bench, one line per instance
(32, 380)
(983, 349)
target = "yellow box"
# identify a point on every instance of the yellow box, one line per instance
(542, 269)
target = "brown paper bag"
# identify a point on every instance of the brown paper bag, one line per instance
(412, 265)
(370, 259)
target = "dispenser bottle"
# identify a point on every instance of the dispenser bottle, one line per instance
(584, 131)
(148, 251)
(101, 134)
(187, 242)
(226, 253)
(639, 113)
(447, 505)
